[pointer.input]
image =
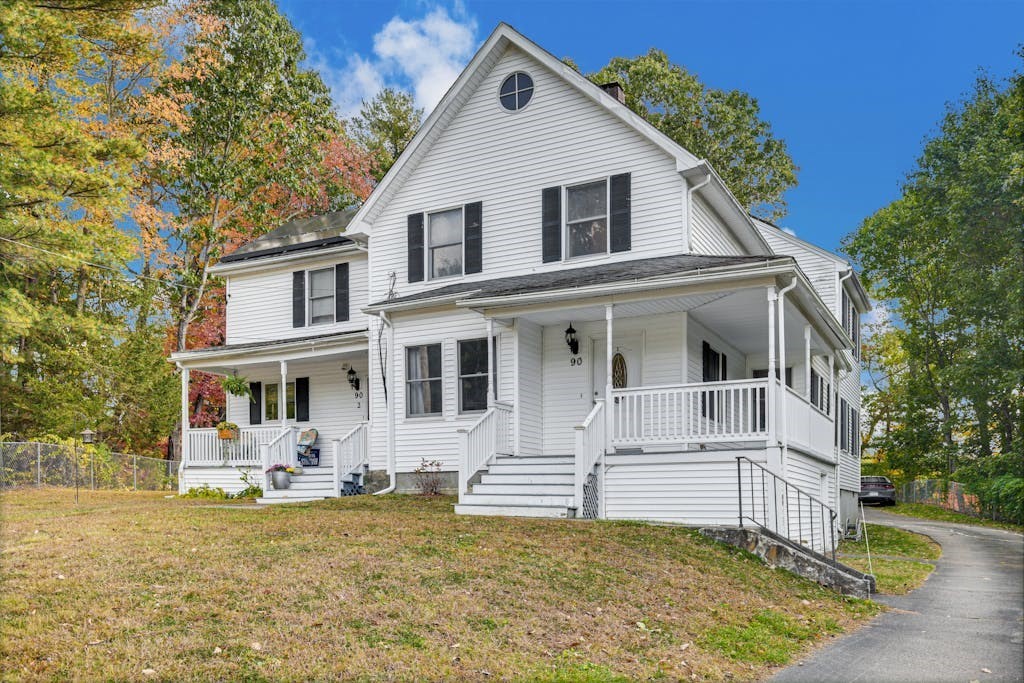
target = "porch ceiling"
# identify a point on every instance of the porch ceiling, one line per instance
(626, 310)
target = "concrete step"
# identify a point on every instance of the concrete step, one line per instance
(538, 478)
(527, 490)
(553, 511)
(287, 499)
(511, 499)
(507, 467)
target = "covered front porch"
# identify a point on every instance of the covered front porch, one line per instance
(294, 386)
(652, 395)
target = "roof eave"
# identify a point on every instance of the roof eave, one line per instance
(269, 261)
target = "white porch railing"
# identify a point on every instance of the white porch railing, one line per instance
(591, 443)
(206, 450)
(807, 425)
(350, 453)
(491, 435)
(280, 450)
(735, 410)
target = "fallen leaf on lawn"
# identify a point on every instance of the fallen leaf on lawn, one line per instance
(986, 671)
(256, 646)
(217, 650)
(149, 672)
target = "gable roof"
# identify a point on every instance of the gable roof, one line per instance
(575, 278)
(479, 66)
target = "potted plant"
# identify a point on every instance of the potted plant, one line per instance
(236, 386)
(280, 475)
(227, 430)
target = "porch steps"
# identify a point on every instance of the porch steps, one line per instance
(523, 486)
(315, 483)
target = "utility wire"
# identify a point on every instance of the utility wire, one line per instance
(98, 265)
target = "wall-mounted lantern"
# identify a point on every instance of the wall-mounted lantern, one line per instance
(571, 340)
(88, 436)
(353, 379)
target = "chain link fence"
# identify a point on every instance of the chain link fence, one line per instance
(31, 463)
(950, 495)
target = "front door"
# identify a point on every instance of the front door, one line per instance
(627, 357)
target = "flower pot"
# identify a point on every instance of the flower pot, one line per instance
(227, 434)
(280, 479)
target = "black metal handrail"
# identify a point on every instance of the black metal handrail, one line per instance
(815, 508)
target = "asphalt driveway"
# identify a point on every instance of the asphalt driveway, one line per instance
(964, 624)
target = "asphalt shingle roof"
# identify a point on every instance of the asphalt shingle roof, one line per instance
(297, 235)
(572, 278)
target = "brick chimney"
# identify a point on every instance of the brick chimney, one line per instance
(615, 90)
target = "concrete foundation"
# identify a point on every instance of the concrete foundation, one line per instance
(802, 562)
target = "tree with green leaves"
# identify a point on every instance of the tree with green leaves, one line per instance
(724, 127)
(948, 259)
(384, 127)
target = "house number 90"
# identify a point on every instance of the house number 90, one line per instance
(358, 394)
(576, 360)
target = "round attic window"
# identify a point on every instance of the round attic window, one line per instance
(516, 91)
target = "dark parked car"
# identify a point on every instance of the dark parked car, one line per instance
(877, 490)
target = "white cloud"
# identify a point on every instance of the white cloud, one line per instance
(423, 56)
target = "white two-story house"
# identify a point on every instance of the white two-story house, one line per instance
(565, 309)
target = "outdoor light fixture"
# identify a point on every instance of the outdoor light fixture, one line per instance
(571, 340)
(353, 379)
(87, 436)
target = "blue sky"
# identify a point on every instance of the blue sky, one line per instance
(852, 87)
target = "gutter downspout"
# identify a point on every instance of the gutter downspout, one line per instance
(389, 404)
(689, 211)
(782, 374)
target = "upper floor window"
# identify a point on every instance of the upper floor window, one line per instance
(516, 91)
(851, 323)
(821, 392)
(321, 296)
(444, 243)
(586, 219)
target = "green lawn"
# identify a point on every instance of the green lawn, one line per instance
(900, 560)
(944, 515)
(130, 586)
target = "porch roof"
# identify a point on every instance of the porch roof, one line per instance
(637, 270)
(215, 357)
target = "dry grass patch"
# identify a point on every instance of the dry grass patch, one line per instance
(134, 586)
(901, 559)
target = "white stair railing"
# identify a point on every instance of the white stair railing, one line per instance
(591, 444)
(491, 435)
(350, 454)
(280, 450)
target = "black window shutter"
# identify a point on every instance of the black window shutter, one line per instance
(299, 298)
(256, 404)
(474, 237)
(415, 245)
(302, 399)
(341, 292)
(722, 375)
(815, 389)
(551, 222)
(621, 229)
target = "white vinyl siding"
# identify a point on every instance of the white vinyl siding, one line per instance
(530, 387)
(709, 234)
(505, 161)
(259, 306)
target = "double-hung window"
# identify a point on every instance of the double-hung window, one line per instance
(321, 296)
(713, 369)
(424, 393)
(444, 243)
(271, 405)
(821, 392)
(586, 219)
(851, 323)
(472, 375)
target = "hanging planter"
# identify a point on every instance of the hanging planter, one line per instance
(227, 431)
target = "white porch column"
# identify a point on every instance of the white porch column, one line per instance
(609, 407)
(490, 362)
(770, 393)
(515, 385)
(282, 395)
(184, 427)
(807, 362)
